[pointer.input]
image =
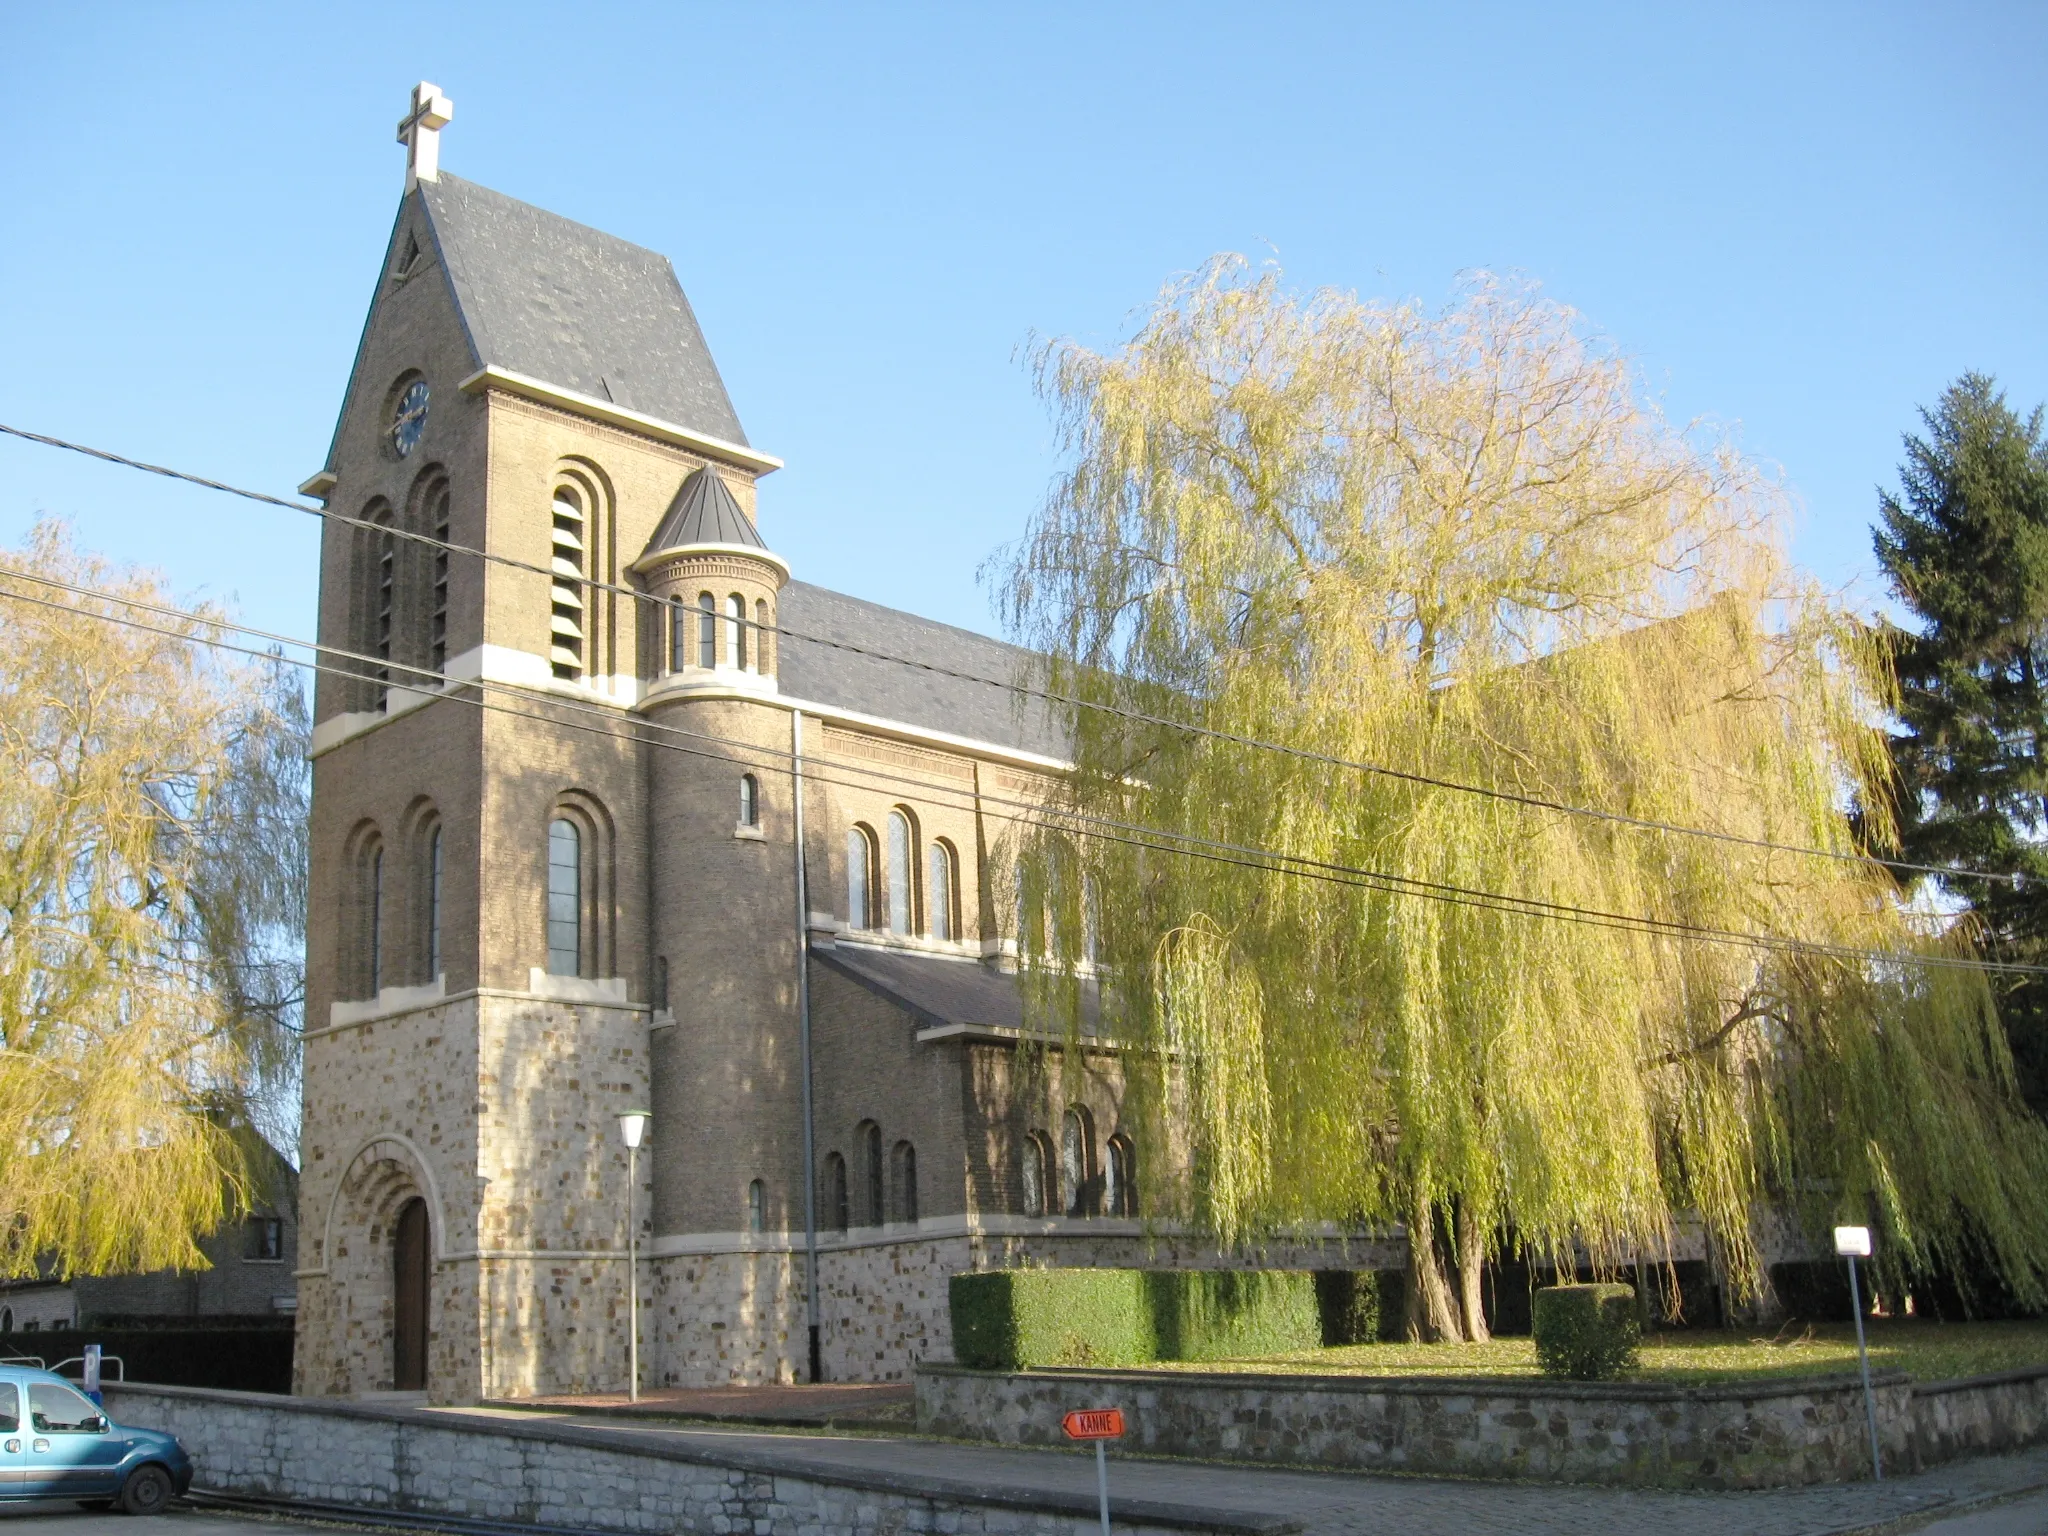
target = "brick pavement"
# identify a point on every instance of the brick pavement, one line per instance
(1342, 1504)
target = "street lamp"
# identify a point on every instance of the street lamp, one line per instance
(1853, 1243)
(632, 1128)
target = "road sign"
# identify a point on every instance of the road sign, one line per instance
(1094, 1424)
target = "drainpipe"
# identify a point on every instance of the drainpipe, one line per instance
(803, 1011)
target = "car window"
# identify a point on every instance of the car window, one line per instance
(53, 1408)
(10, 1405)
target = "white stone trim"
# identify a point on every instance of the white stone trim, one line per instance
(320, 484)
(575, 989)
(490, 376)
(712, 547)
(389, 1000)
(459, 997)
(501, 664)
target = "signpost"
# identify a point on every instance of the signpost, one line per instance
(1101, 1425)
(90, 1374)
(1853, 1243)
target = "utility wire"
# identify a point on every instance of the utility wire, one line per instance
(1381, 770)
(1136, 835)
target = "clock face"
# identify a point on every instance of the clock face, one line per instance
(411, 418)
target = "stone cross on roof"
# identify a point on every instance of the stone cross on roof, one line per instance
(420, 132)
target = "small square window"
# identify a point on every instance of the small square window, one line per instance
(262, 1239)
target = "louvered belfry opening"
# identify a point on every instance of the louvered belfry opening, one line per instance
(567, 627)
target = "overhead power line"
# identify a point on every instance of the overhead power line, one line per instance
(1136, 835)
(1139, 717)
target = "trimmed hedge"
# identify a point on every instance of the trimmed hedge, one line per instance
(243, 1359)
(1014, 1319)
(1587, 1332)
(1360, 1306)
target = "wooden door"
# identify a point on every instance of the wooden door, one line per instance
(410, 1268)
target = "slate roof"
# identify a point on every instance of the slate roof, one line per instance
(704, 512)
(575, 307)
(986, 711)
(937, 990)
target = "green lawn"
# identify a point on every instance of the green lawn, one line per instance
(1924, 1351)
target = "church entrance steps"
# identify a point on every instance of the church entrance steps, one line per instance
(826, 1405)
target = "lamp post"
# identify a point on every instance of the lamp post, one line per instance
(632, 1127)
(1853, 1243)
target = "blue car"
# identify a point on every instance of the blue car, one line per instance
(56, 1443)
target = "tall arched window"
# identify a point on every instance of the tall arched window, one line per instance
(386, 607)
(1036, 1169)
(750, 800)
(757, 1201)
(860, 868)
(707, 631)
(897, 878)
(835, 1193)
(874, 1190)
(905, 1160)
(565, 898)
(567, 652)
(376, 920)
(736, 631)
(437, 620)
(760, 662)
(1074, 1163)
(939, 886)
(434, 903)
(678, 637)
(1122, 1191)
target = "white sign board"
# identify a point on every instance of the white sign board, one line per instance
(1852, 1242)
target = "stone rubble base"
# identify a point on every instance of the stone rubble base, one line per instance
(1748, 1435)
(568, 1477)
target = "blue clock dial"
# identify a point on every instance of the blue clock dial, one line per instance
(411, 419)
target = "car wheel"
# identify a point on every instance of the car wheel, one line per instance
(147, 1491)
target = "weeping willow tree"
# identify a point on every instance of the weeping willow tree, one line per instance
(1471, 579)
(152, 843)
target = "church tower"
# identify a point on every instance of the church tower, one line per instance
(482, 979)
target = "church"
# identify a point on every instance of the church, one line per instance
(618, 816)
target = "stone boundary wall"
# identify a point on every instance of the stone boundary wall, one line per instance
(1748, 1435)
(573, 1478)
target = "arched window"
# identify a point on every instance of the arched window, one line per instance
(570, 565)
(897, 879)
(1036, 1169)
(873, 1189)
(756, 1201)
(386, 604)
(1121, 1195)
(678, 637)
(736, 631)
(905, 1160)
(760, 634)
(376, 921)
(835, 1193)
(437, 620)
(1075, 1149)
(750, 800)
(940, 883)
(860, 870)
(565, 898)
(434, 903)
(707, 631)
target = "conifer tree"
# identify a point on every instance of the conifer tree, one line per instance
(1964, 543)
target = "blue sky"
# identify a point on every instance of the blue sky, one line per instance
(1803, 220)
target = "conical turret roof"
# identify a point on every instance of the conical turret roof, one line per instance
(704, 512)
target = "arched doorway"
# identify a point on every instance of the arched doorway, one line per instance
(409, 1264)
